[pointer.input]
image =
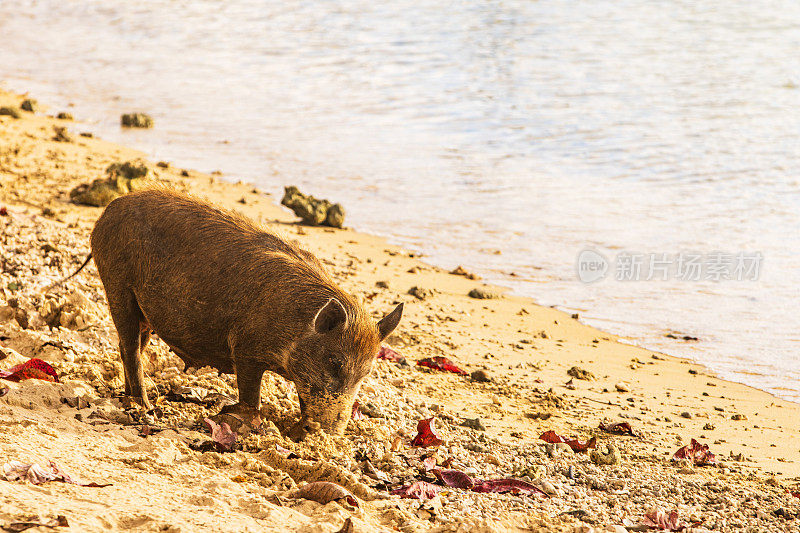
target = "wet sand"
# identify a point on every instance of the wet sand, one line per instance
(160, 484)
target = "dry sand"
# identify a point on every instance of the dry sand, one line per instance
(160, 484)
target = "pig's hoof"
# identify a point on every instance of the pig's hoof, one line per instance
(136, 402)
(241, 418)
(301, 429)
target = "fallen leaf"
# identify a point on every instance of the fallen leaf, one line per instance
(198, 395)
(30, 369)
(441, 363)
(576, 445)
(357, 414)
(419, 490)
(221, 435)
(617, 428)
(326, 492)
(426, 434)
(59, 521)
(458, 479)
(36, 474)
(695, 452)
(388, 354)
(655, 518)
(514, 486)
(429, 463)
(455, 479)
(3, 211)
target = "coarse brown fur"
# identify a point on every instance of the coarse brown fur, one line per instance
(222, 291)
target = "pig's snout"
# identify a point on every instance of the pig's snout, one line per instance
(326, 411)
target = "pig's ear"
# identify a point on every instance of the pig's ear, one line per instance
(387, 324)
(330, 316)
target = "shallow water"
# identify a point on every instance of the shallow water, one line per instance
(536, 129)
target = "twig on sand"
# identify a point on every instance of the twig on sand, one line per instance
(601, 402)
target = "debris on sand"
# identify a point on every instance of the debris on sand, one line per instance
(63, 115)
(579, 373)
(388, 354)
(30, 105)
(419, 490)
(62, 135)
(480, 376)
(617, 428)
(122, 179)
(313, 211)
(136, 120)
(33, 473)
(74, 311)
(326, 492)
(420, 293)
(10, 111)
(658, 520)
(696, 453)
(58, 521)
(481, 293)
(576, 445)
(461, 271)
(608, 456)
(441, 363)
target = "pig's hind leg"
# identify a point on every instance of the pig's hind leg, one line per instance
(133, 332)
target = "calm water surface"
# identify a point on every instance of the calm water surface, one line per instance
(536, 128)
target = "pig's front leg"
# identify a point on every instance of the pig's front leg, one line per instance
(246, 410)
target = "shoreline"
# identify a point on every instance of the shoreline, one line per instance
(643, 337)
(526, 348)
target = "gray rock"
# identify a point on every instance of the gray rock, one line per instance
(474, 423)
(480, 376)
(481, 293)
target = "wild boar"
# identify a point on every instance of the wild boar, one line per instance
(222, 291)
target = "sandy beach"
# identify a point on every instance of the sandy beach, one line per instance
(534, 358)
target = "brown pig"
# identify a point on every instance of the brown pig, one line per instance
(222, 291)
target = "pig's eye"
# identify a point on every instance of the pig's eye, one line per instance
(336, 371)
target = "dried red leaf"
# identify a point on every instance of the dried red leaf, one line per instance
(455, 479)
(617, 428)
(426, 435)
(796, 494)
(3, 211)
(326, 492)
(695, 452)
(419, 490)
(221, 434)
(357, 414)
(388, 354)
(514, 486)
(30, 369)
(576, 445)
(441, 363)
(37, 475)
